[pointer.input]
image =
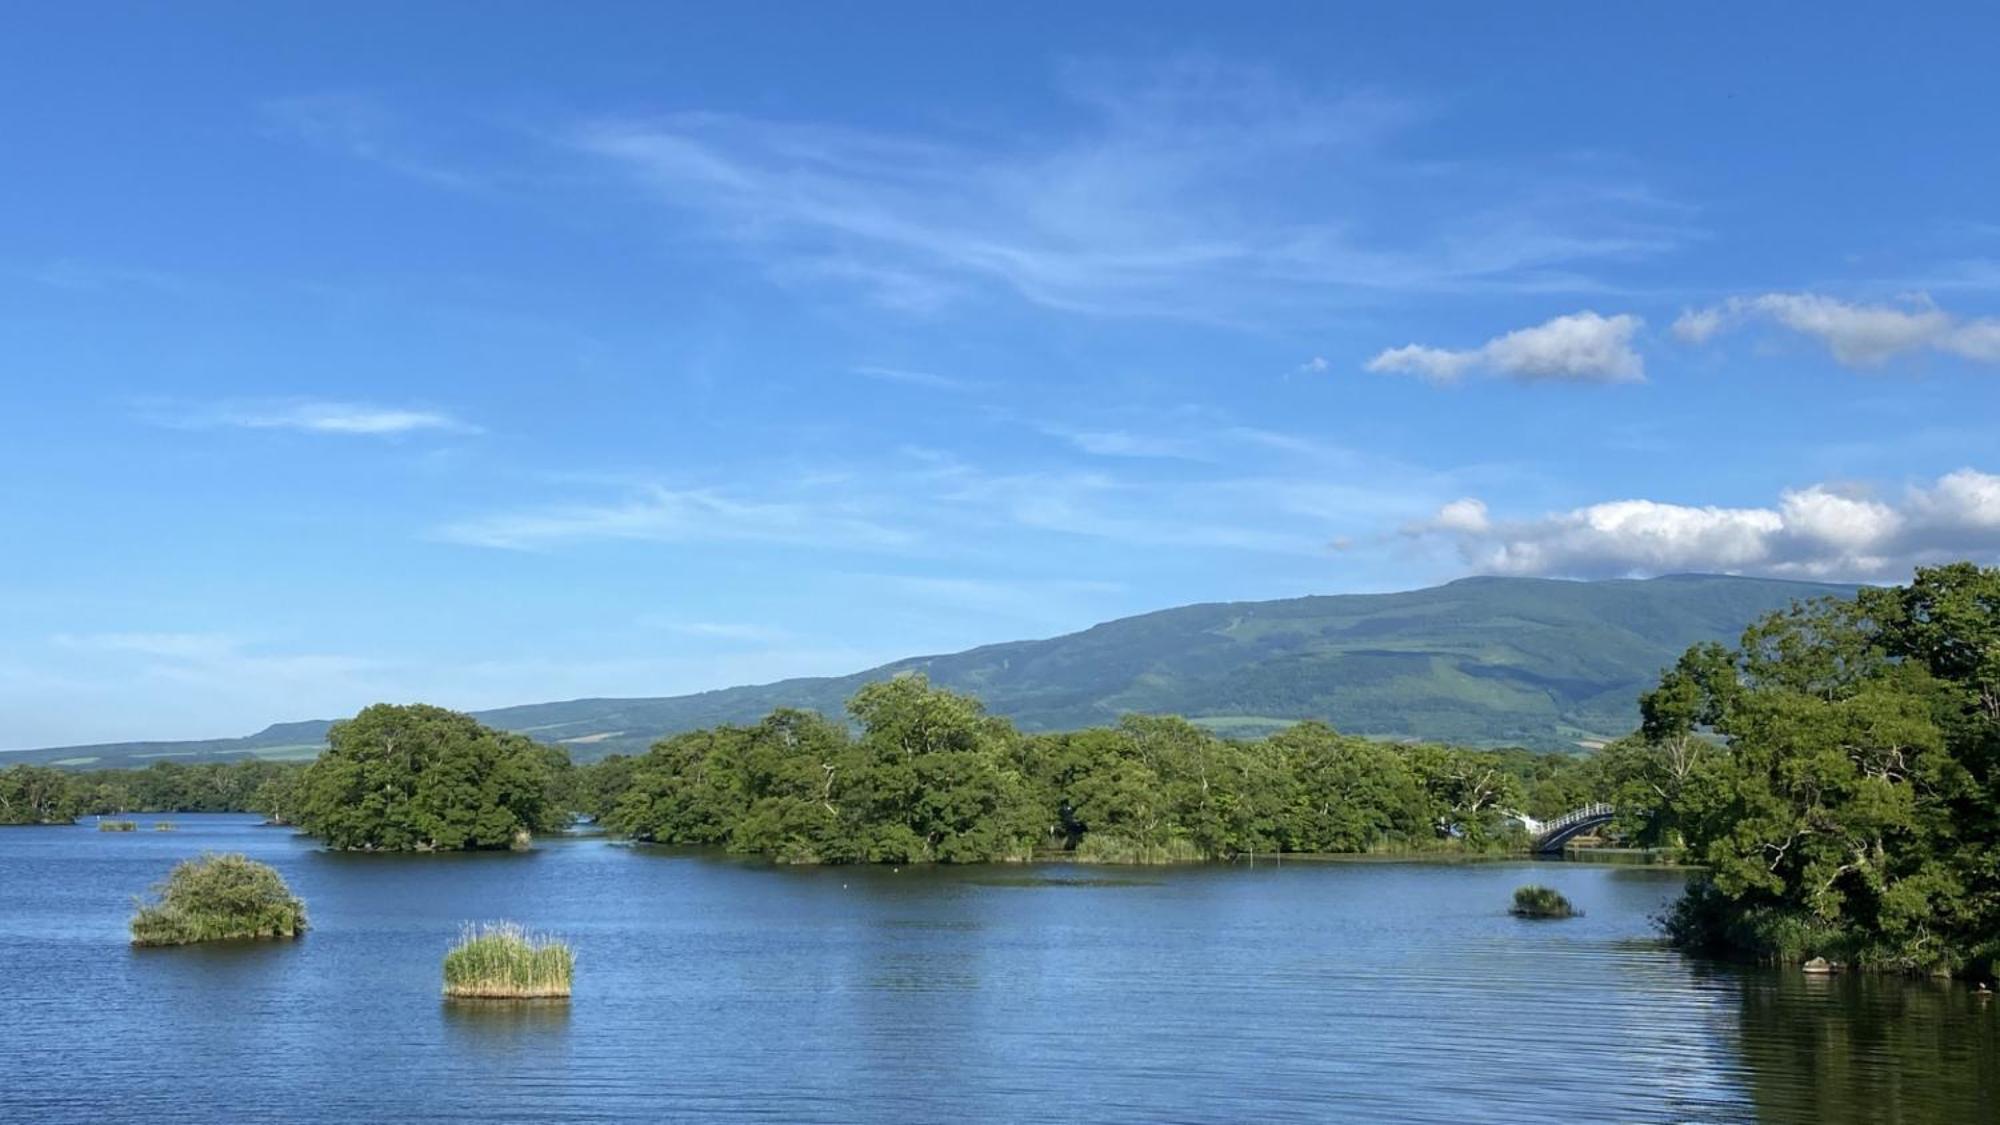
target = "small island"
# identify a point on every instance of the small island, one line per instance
(1541, 902)
(503, 961)
(423, 779)
(217, 898)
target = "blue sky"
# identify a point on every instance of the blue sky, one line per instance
(485, 353)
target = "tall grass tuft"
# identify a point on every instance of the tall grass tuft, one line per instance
(116, 826)
(1104, 847)
(502, 961)
(217, 897)
(1541, 902)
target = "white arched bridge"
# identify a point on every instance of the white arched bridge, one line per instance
(1549, 836)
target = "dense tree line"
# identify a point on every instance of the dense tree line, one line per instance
(1838, 773)
(920, 775)
(925, 775)
(47, 795)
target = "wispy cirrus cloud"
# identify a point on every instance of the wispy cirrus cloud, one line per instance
(1232, 488)
(661, 514)
(731, 632)
(929, 380)
(1582, 347)
(1173, 193)
(1857, 334)
(1819, 531)
(361, 127)
(316, 416)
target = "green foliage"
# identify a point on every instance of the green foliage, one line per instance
(1541, 902)
(1105, 847)
(177, 787)
(421, 778)
(45, 795)
(1837, 775)
(38, 795)
(502, 961)
(117, 826)
(217, 897)
(931, 777)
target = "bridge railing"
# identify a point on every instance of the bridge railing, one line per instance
(1596, 811)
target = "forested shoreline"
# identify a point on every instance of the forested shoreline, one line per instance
(922, 775)
(1836, 775)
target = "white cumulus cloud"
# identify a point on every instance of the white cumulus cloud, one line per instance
(1819, 531)
(1858, 335)
(1582, 347)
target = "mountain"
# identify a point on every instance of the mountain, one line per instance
(1481, 661)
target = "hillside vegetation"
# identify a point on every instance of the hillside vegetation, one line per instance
(1481, 661)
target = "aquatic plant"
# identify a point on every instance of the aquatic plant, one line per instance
(503, 961)
(116, 826)
(1105, 847)
(217, 897)
(164, 826)
(1541, 902)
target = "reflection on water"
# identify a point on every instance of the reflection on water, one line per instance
(713, 989)
(505, 1025)
(1858, 1049)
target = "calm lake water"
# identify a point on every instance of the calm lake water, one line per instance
(714, 989)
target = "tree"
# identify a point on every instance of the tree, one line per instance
(935, 778)
(1849, 810)
(424, 778)
(1345, 794)
(38, 795)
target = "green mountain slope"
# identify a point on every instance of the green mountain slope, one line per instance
(1482, 661)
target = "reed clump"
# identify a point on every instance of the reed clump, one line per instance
(1104, 847)
(503, 961)
(163, 826)
(117, 826)
(1541, 902)
(218, 897)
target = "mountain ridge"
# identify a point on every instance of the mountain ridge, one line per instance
(1482, 660)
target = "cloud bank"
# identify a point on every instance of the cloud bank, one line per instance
(1820, 531)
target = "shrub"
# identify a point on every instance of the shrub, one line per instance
(116, 826)
(1706, 921)
(502, 961)
(1541, 902)
(217, 897)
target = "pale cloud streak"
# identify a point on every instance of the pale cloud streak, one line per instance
(669, 515)
(1818, 531)
(353, 419)
(1857, 335)
(1581, 347)
(929, 380)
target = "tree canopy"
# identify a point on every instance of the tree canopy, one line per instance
(417, 777)
(1836, 772)
(926, 775)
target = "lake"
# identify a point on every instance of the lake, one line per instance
(710, 988)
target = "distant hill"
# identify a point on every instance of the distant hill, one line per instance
(1481, 661)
